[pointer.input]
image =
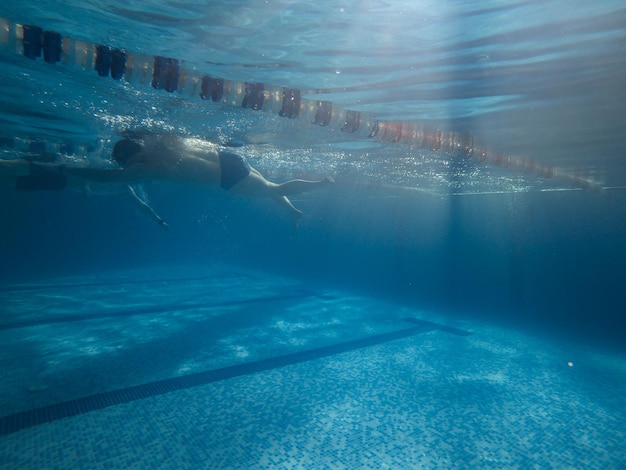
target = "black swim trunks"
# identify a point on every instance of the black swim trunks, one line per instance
(42, 179)
(234, 168)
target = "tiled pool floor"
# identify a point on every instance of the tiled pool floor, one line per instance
(229, 369)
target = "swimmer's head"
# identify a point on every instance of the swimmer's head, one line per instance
(124, 150)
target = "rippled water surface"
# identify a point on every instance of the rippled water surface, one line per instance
(542, 80)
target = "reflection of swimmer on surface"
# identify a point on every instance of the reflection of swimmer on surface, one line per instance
(25, 175)
(150, 157)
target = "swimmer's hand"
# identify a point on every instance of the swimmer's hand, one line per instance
(163, 224)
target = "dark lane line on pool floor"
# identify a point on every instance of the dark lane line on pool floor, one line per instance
(125, 312)
(114, 282)
(27, 419)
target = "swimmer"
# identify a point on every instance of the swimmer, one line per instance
(26, 175)
(151, 157)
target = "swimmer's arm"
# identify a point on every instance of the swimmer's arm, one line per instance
(99, 175)
(15, 167)
(146, 209)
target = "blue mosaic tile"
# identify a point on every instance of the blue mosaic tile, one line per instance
(496, 399)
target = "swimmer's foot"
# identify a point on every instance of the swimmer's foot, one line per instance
(296, 215)
(163, 224)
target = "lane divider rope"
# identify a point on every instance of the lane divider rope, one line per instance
(178, 76)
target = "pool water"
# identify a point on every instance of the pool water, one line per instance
(454, 300)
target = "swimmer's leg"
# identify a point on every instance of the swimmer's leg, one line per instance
(294, 213)
(299, 186)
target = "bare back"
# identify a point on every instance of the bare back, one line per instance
(179, 161)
